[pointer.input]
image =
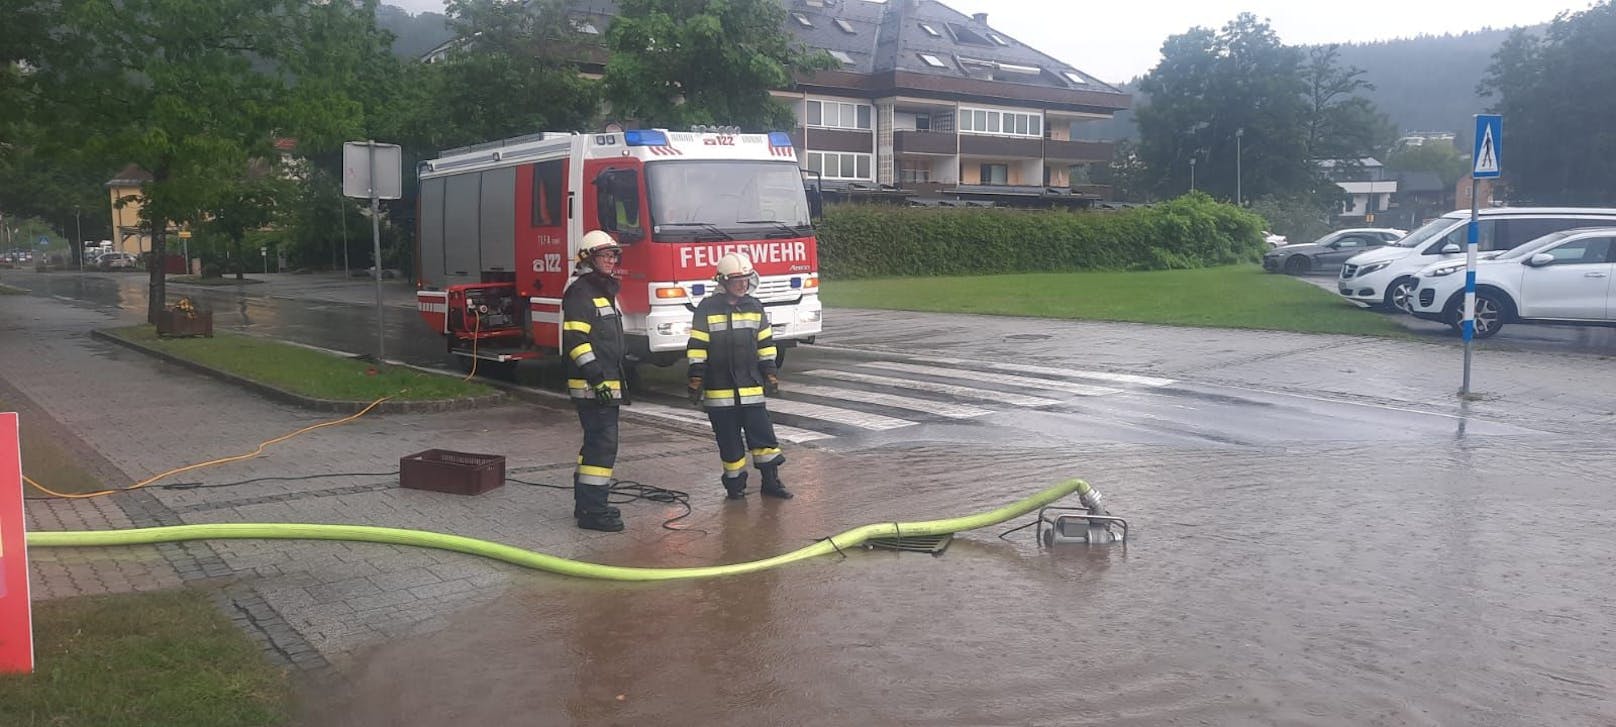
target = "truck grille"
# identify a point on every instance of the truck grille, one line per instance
(777, 290)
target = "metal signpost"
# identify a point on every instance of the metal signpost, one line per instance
(373, 170)
(1485, 164)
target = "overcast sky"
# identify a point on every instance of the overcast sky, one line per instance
(1119, 40)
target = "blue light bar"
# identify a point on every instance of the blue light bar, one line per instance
(779, 138)
(698, 290)
(796, 283)
(645, 137)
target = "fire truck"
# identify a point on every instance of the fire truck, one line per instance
(499, 225)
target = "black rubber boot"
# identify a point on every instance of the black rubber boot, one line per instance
(609, 522)
(735, 487)
(589, 507)
(772, 486)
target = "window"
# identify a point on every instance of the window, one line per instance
(617, 203)
(1075, 78)
(1516, 232)
(930, 31)
(933, 61)
(1022, 70)
(998, 39)
(912, 171)
(838, 165)
(995, 174)
(981, 121)
(841, 56)
(838, 115)
(548, 187)
(1584, 251)
(801, 20)
(845, 26)
(922, 122)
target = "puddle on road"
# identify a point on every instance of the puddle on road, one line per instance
(1361, 585)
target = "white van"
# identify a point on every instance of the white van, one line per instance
(1387, 276)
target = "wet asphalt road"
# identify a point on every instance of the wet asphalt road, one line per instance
(1297, 560)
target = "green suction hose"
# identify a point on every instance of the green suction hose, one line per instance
(542, 561)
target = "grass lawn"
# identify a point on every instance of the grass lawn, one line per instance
(226, 280)
(1227, 297)
(304, 371)
(167, 658)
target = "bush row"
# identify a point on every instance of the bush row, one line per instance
(862, 241)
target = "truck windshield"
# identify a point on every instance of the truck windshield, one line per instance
(699, 200)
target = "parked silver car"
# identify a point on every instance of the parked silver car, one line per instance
(1326, 254)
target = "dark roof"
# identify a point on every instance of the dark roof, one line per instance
(131, 176)
(887, 37)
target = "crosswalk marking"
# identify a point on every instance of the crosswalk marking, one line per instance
(859, 419)
(696, 417)
(1031, 383)
(964, 392)
(938, 408)
(1052, 371)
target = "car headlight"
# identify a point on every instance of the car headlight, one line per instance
(1373, 267)
(1444, 270)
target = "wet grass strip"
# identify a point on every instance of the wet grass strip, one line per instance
(163, 658)
(305, 371)
(1224, 297)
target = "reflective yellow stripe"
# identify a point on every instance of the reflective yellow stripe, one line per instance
(602, 303)
(739, 464)
(700, 335)
(696, 354)
(580, 350)
(765, 332)
(583, 384)
(749, 317)
(579, 326)
(719, 394)
(584, 469)
(717, 319)
(752, 391)
(766, 451)
(768, 352)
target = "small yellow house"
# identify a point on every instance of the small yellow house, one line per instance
(123, 192)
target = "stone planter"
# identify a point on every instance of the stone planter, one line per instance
(172, 323)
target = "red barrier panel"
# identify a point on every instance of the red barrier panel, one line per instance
(16, 618)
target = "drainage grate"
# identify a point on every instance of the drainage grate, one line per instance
(934, 544)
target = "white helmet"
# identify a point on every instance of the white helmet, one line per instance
(595, 241)
(736, 265)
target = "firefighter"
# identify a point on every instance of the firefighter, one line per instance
(732, 369)
(592, 339)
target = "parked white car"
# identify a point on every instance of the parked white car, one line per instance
(1563, 277)
(1387, 276)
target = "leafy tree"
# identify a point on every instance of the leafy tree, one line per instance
(1125, 174)
(1212, 86)
(192, 90)
(1557, 95)
(675, 63)
(1341, 124)
(1432, 156)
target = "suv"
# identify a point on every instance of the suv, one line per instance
(1387, 276)
(117, 261)
(1560, 277)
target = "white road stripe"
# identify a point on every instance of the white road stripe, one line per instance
(939, 408)
(1021, 381)
(862, 420)
(963, 392)
(1051, 371)
(695, 417)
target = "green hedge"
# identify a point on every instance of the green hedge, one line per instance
(864, 241)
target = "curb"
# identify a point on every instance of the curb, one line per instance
(307, 402)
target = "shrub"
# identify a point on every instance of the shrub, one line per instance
(861, 241)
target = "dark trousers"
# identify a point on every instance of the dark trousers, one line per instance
(742, 428)
(596, 457)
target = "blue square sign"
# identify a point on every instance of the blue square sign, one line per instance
(1487, 160)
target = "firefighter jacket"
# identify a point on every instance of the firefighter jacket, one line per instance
(592, 335)
(732, 350)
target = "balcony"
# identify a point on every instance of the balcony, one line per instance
(1003, 147)
(923, 142)
(1078, 151)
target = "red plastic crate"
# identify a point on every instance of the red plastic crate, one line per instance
(457, 473)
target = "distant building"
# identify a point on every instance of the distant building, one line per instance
(1420, 138)
(1366, 184)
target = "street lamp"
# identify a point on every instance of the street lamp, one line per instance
(1238, 192)
(1192, 174)
(78, 233)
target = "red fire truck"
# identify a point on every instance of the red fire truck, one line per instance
(499, 225)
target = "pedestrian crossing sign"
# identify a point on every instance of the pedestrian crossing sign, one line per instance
(1489, 150)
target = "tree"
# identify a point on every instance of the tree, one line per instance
(675, 63)
(1557, 95)
(1433, 156)
(1340, 123)
(1212, 86)
(192, 90)
(1125, 174)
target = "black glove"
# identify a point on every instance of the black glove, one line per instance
(603, 394)
(693, 388)
(772, 386)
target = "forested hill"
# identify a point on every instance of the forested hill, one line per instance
(1426, 83)
(413, 35)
